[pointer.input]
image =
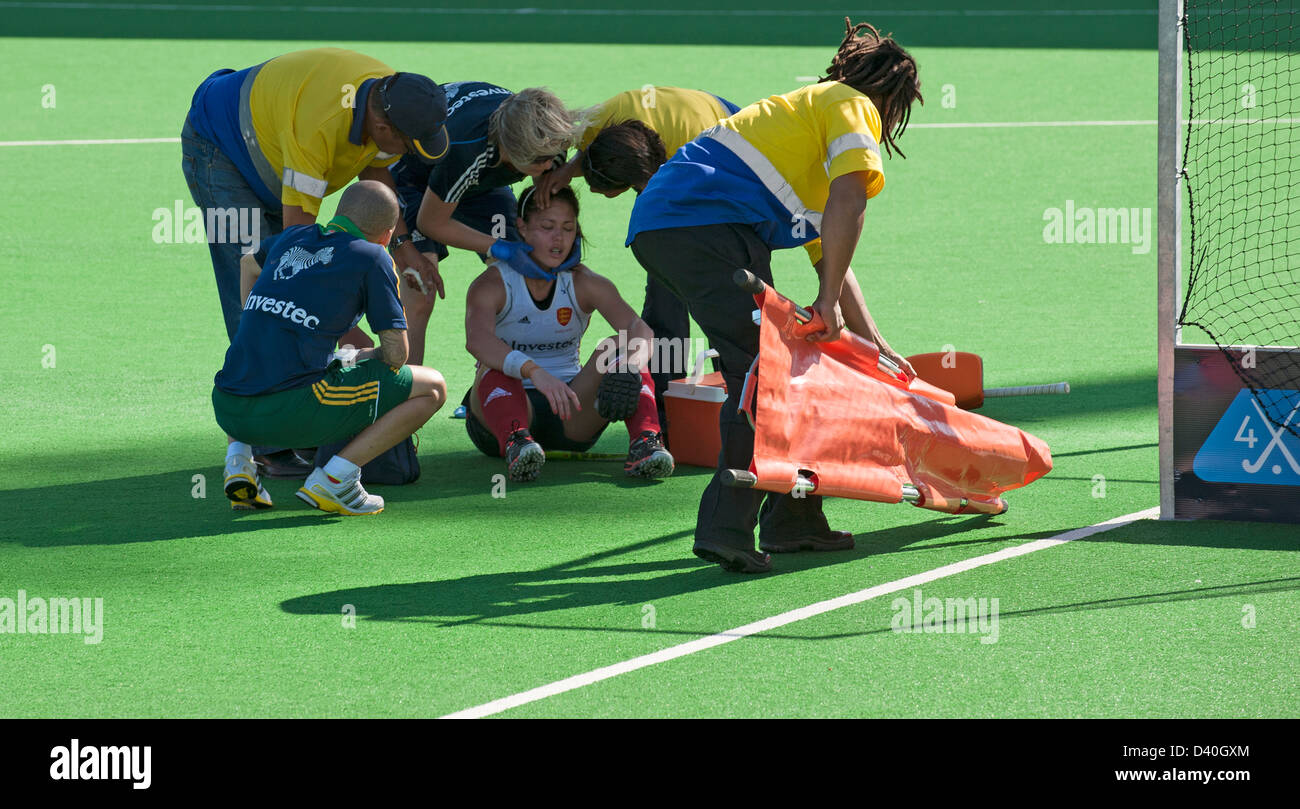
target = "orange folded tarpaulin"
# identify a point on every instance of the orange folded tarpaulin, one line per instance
(829, 412)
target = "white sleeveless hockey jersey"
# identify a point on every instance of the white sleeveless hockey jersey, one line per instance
(552, 337)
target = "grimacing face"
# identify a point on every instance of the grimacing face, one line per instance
(550, 232)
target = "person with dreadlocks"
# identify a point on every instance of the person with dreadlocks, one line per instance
(524, 322)
(790, 170)
(627, 139)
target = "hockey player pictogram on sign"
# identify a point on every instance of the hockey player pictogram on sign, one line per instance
(1246, 447)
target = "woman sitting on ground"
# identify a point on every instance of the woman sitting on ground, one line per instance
(524, 323)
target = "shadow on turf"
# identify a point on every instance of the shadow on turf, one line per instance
(584, 583)
(1221, 591)
(1231, 535)
(161, 507)
(498, 597)
(1085, 399)
(147, 508)
(1196, 594)
(578, 583)
(472, 599)
(1124, 448)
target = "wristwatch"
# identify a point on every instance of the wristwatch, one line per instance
(398, 241)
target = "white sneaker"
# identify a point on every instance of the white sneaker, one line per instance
(243, 484)
(345, 497)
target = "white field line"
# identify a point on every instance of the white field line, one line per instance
(574, 12)
(966, 125)
(777, 621)
(1020, 124)
(103, 142)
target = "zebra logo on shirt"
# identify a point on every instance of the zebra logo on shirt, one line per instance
(297, 259)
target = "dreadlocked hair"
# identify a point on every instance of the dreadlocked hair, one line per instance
(880, 69)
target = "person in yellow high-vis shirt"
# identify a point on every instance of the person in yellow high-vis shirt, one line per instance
(790, 170)
(283, 135)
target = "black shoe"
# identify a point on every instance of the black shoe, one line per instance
(284, 464)
(736, 560)
(524, 457)
(647, 457)
(618, 395)
(836, 541)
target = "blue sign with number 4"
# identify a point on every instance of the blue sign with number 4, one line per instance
(1245, 447)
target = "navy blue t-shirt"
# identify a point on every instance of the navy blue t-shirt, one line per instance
(315, 286)
(472, 165)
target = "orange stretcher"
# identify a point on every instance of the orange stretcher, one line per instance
(837, 419)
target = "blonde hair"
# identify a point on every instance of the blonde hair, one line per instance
(533, 125)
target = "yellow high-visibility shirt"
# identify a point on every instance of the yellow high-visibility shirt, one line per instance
(307, 109)
(775, 169)
(677, 115)
(813, 135)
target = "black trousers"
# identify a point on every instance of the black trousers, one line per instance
(696, 264)
(667, 317)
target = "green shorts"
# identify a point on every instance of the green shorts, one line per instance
(342, 404)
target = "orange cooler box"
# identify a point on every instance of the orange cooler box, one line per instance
(693, 406)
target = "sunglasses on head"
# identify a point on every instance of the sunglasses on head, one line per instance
(589, 169)
(383, 91)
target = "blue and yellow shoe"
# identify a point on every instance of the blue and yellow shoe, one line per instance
(243, 485)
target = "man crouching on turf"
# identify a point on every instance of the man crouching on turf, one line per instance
(280, 384)
(524, 322)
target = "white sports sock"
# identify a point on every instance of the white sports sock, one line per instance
(341, 469)
(238, 448)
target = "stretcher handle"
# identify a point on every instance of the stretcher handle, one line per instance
(744, 479)
(1028, 390)
(751, 283)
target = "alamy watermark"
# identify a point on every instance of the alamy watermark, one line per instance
(53, 616)
(190, 225)
(1080, 225)
(666, 355)
(77, 762)
(975, 616)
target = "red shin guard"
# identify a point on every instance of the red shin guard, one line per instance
(505, 405)
(646, 416)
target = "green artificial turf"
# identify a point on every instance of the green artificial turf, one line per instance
(460, 597)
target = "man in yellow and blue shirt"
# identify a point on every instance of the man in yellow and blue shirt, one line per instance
(278, 137)
(790, 170)
(760, 167)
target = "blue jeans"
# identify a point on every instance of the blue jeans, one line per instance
(215, 182)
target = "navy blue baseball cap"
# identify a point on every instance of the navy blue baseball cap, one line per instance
(417, 106)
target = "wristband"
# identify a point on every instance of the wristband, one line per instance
(514, 364)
